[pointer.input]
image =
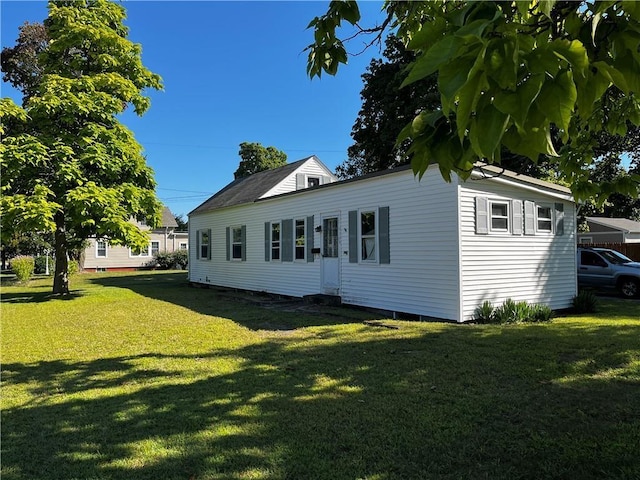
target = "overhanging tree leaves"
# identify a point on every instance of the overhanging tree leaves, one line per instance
(68, 165)
(255, 158)
(510, 74)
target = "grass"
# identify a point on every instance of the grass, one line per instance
(139, 376)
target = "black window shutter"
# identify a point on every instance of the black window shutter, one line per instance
(228, 235)
(309, 238)
(353, 236)
(267, 241)
(383, 224)
(243, 232)
(287, 240)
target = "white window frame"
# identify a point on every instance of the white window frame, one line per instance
(315, 178)
(106, 248)
(157, 249)
(374, 260)
(304, 240)
(275, 245)
(233, 243)
(506, 217)
(183, 246)
(142, 254)
(550, 219)
(201, 244)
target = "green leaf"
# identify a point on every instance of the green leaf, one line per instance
(518, 103)
(486, 131)
(557, 99)
(571, 51)
(439, 54)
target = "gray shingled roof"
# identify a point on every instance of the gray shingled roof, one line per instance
(168, 220)
(248, 189)
(622, 224)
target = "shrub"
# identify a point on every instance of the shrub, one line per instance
(23, 267)
(170, 261)
(484, 312)
(540, 313)
(585, 302)
(73, 267)
(41, 265)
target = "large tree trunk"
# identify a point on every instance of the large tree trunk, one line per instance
(61, 276)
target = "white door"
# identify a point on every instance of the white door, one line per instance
(330, 255)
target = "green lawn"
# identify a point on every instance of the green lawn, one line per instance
(139, 376)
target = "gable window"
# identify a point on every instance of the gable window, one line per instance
(544, 218)
(101, 248)
(155, 248)
(300, 242)
(368, 239)
(313, 182)
(499, 216)
(203, 244)
(275, 241)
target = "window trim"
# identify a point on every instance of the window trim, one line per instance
(275, 245)
(183, 246)
(550, 219)
(148, 252)
(303, 246)
(233, 243)
(157, 249)
(200, 244)
(506, 217)
(106, 248)
(375, 236)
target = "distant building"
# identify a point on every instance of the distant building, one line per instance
(100, 256)
(610, 230)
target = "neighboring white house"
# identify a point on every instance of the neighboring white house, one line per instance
(99, 256)
(610, 230)
(389, 241)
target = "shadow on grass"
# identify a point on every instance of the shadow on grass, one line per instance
(252, 310)
(37, 297)
(460, 403)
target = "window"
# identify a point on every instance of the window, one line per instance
(101, 248)
(499, 213)
(275, 241)
(236, 243)
(204, 243)
(184, 246)
(368, 238)
(144, 252)
(155, 248)
(300, 244)
(544, 218)
(313, 182)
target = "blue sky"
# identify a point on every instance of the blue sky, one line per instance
(232, 72)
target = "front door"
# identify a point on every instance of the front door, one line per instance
(330, 255)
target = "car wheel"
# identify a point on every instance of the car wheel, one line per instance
(629, 288)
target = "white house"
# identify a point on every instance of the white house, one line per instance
(389, 241)
(100, 256)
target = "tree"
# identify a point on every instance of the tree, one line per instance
(256, 158)
(385, 111)
(513, 75)
(69, 166)
(183, 225)
(20, 65)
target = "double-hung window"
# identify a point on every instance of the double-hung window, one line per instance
(204, 244)
(236, 243)
(544, 218)
(368, 236)
(143, 252)
(155, 248)
(101, 248)
(299, 240)
(499, 212)
(276, 239)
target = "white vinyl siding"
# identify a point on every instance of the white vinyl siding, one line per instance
(537, 268)
(298, 180)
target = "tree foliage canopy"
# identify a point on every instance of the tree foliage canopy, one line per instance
(541, 79)
(256, 158)
(69, 166)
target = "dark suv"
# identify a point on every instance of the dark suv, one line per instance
(602, 267)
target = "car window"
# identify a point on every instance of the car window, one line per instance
(614, 257)
(592, 259)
